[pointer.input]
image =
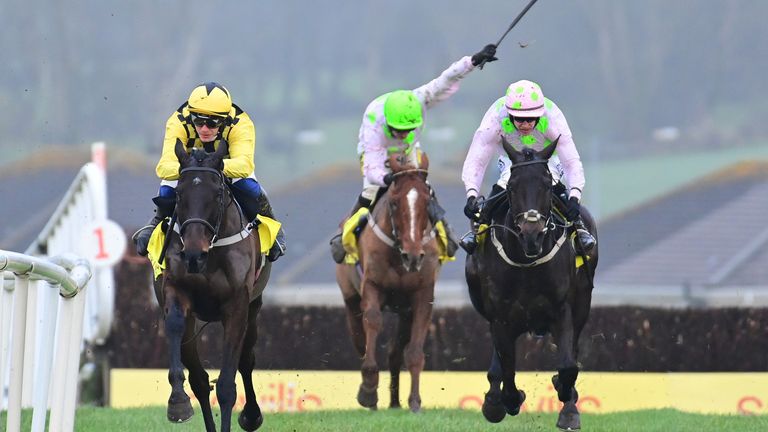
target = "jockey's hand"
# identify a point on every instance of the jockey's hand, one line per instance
(472, 208)
(388, 179)
(487, 54)
(573, 209)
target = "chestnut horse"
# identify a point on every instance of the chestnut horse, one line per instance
(215, 272)
(399, 258)
(523, 278)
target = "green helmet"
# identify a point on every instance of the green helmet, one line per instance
(402, 110)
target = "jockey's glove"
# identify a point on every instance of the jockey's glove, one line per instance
(472, 208)
(487, 54)
(573, 209)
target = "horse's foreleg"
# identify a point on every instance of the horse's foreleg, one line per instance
(179, 406)
(568, 370)
(355, 323)
(235, 317)
(250, 418)
(372, 323)
(421, 304)
(396, 348)
(504, 339)
(198, 377)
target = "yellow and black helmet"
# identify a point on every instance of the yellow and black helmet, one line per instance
(210, 98)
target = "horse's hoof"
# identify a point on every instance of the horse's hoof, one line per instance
(179, 412)
(367, 399)
(414, 405)
(248, 424)
(395, 406)
(512, 407)
(569, 418)
(493, 409)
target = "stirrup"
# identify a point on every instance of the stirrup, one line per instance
(586, 239)
(141, 239)
(468, 242)
(337, 249)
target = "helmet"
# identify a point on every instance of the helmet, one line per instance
(210, 98)
(402, 110)
(525, 99)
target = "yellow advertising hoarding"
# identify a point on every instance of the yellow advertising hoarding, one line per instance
(286, 391)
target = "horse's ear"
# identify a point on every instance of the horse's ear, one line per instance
(514, 155)
(423, 161)
(394, 163)
(550, 150)
(222, 150)
(181, 152)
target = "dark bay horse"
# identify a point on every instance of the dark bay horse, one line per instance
(399, 259)
(214, 272)
(523, 278)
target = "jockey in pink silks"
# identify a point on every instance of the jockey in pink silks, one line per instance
(524, 117)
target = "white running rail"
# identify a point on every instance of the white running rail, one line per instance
(68, 274)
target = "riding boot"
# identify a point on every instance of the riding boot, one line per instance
(586, 239)
(437, 214)
(495, 199)
(468, 241)
(337, 248)
(163, 208)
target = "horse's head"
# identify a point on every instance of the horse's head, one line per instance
(529, 191)
(408, 200)
(200, 205)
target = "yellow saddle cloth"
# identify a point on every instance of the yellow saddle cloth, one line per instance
(267, 229)
(349, 238)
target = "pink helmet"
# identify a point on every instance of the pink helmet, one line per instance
(525, 99)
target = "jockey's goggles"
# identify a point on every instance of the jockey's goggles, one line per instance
(212, 122)
(525, 119)
(401, 131)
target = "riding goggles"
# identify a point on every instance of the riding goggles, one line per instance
(211, 121)
(525, 119)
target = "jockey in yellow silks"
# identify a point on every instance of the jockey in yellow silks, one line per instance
(207, 117)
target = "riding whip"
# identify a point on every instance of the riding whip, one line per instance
(511, 26)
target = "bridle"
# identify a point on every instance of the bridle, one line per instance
(220, 216)
(530, 216)
(393, 241)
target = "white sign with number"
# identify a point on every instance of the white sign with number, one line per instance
(103, 243)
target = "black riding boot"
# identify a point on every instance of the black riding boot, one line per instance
(586, 239)
(164, 208)
(437, 214)
(337, 248)
(469, 240)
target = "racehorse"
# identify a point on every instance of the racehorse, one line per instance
(399, 258)
(523, 278)
(214, 272)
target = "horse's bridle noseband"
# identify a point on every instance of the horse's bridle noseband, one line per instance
(220, 216)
